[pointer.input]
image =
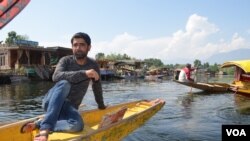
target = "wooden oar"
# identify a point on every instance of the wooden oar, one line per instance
(190, 90)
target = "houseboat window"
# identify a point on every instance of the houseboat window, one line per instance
(2, 60)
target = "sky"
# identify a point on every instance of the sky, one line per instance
(174, 31)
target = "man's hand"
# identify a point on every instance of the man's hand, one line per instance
(92, 74)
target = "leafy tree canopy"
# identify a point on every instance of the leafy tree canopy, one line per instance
(153, 62)
(102, 56)
(13, 36)
(197, 63)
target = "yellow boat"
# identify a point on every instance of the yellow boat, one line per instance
(113, 123)
(241, 83)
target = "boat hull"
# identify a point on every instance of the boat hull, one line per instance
(208, 87)
(137, 114)
(125, 127)
(241, 87)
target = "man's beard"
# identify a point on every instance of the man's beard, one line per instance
(80, 55)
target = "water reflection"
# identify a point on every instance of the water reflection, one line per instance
(242, 104)
(235, 110)
(21, 100)
(186, 116)
(186, 102)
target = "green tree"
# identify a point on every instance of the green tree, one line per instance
(153, 62)
(118, 57)
(229, 71)
(171, 66)
(197, 63)
(214, 68)
(13, 36)
(206, 65)
(113, 57)
(126, 57)
(100, 56)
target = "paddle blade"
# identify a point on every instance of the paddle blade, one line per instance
(9, 9)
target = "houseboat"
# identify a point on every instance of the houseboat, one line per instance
(129, 69)
(29, 59)
(106, 69)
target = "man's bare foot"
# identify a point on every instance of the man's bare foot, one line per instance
(42, 136)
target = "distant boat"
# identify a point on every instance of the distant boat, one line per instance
(208, 87)
(107, 74)
(19, 78)
(241, 83)
(128, 74)
(156, 77)
(112, 124)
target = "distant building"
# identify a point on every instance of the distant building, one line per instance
(106, 69)
(30, 60)
(13, 57)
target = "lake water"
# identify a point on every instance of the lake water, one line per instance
(189, 114)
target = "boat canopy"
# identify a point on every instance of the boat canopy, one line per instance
(9, 9)
(243, 64)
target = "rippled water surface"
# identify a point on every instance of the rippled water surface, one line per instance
(189, 114)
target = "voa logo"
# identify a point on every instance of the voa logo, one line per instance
(236, 132)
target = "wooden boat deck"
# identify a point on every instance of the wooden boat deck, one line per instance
(209, 87)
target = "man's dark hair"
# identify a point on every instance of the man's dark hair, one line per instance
(82, 35)
(188, 65)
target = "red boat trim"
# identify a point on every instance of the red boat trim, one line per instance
(9, 13)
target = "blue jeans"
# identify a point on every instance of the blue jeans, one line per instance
(60, 115)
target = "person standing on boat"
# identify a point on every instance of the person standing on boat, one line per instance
(72, 75)
(185, 74)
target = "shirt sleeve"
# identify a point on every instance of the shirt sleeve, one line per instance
(61, 72)
(97, 89)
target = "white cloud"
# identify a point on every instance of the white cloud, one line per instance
(132, 46)
(196, 41)
(64, 42)
(51, 44)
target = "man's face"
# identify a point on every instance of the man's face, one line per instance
(80, 48)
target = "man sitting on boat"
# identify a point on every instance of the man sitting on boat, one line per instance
(73, 74)
(185, 74)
